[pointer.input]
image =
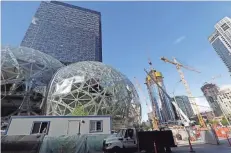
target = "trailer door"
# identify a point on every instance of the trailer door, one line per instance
(73, 127)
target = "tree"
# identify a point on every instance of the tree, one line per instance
(213, 122)
(145, 126)
(224, 121)
(79, 111)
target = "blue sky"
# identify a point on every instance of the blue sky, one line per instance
(134, 31)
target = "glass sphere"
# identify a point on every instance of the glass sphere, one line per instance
(93, 88)
(25, 75)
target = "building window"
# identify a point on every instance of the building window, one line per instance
(96, 126)
(225, 26)
(211, 99)
(40, 127)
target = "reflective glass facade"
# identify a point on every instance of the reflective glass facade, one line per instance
(160, 102)
(222, 51)
(221, 40)
(155, 101)
(184, 104)
(66, 32)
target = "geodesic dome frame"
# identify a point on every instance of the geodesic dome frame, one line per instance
(98, 89)
(25, 74)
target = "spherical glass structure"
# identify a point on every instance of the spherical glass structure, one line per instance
(25, 75)
(93, 88)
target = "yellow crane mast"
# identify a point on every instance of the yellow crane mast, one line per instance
(154, 120)
(178, 67)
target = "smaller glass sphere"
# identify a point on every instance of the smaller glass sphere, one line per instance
(25, 75)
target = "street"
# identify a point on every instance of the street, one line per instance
(205, 148)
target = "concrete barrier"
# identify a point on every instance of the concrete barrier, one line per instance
(208, 137)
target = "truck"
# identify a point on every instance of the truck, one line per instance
(131, 140)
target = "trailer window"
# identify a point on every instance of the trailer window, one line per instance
(96, 126)
(40, 127)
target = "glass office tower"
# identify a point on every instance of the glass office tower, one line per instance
(66, 32)
(221, 41)
(184, 104)
(161, 104)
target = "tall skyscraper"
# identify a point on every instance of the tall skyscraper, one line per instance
(221, 41)
(66, 32)
(161, 104)
(211, 92)
(184, 104)
(224, 99)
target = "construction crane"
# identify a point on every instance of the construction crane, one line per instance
(178, 67)
(183, 117)
(154, 80)
(154, 120)
(147, 83)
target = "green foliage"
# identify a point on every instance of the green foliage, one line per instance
(145, 126)
(224, 121)
(214, 122)
(79, 111)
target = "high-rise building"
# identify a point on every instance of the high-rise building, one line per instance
(161, 104)
(221, 41)
(66, 32)
(184, 104)
(224, 99)
(211, 92)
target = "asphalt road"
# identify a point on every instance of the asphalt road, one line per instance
(224, 147)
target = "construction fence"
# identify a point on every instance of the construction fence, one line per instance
(198, 135)
(223, 132)
(47, 144)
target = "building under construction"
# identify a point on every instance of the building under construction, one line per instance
(161, 104)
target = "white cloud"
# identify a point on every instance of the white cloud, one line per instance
(226, 86)
(179, 40)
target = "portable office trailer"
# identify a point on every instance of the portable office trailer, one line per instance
(59, 125)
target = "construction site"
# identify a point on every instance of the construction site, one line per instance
(61, 92)
(172, 129)
(164, 112)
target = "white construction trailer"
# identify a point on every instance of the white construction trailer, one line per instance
(59, 125)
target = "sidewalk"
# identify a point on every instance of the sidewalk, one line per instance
(185, 143)
(205, 148)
